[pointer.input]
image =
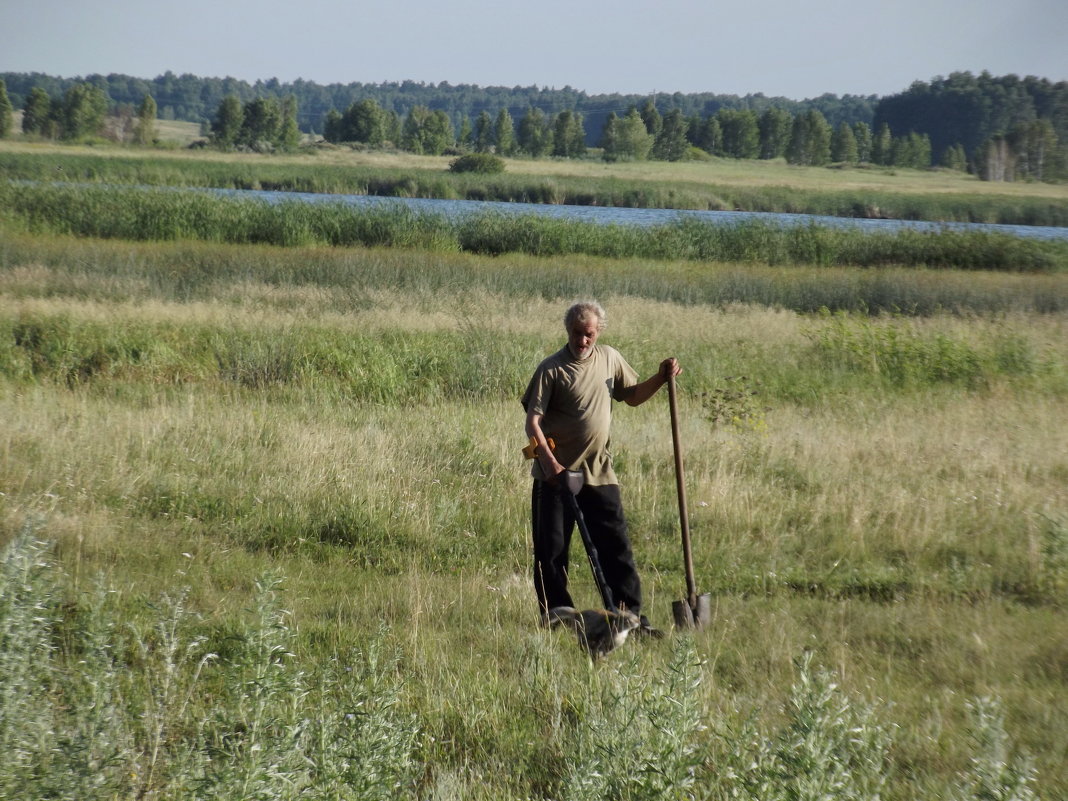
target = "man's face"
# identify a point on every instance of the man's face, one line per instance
(582, 336)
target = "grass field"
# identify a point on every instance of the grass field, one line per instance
(266, 528)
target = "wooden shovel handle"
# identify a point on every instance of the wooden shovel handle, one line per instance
(680, 483)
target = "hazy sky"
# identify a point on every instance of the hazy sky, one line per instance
(793, 48)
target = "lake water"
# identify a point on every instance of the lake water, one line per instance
(646, 217)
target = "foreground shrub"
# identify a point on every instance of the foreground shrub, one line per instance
(121, 711)
(638, 736)
(830, 747)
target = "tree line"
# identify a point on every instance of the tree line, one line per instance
(1006, 127)
(193, 98)
(81, 112)
(639, 134)
(1000, 128)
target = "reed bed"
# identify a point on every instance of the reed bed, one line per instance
(357, 278)
(140, 214)
(589, 189)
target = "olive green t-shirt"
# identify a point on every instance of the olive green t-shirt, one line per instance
(575, 398)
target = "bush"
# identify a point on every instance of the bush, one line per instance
(485, 163)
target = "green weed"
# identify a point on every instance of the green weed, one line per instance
(900, 354)
(172, 214)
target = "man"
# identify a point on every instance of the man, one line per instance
(569, 400)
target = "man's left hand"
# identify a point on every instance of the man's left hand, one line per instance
(669, 367)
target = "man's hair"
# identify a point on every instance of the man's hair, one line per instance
(583, 310)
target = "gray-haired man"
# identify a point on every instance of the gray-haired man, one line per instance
(569, 400)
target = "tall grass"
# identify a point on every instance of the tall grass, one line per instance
(117, 710)
(358, 280)
(188, 422)
(591, 190)
(165, 707)
(139, 214)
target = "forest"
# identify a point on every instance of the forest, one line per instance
(999, 128)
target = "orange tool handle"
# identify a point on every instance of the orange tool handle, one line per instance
(531, 450)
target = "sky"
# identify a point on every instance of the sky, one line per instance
(782, 48)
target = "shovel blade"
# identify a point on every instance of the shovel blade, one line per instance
(692, 617)
(702, 614)
(682, 613)
(572, 480)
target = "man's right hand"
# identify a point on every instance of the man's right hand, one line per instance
(551, 468)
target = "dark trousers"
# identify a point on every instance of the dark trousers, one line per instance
(553, 523)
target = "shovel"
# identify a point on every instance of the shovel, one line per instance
(696, 610)
(572, 482)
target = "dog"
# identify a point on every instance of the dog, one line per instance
(598, 630)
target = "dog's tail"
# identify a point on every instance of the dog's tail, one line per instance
(564, 616)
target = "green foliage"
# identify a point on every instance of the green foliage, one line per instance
(145, 129)
(482, 136)
(261, 125)
(844, 145)
(810, 140)
(118, 711)
(228, 122)
(333, 130)
(651, 118)
(638, 735)
(169, 214)
(897, 353)
(881, 146)
(363, 122)
(862, 136)
(954, 158)
(7, 119)
(829, 747)
(37, 114)
(912, 151)
(484, 163)
(289, 131)
(427, 132)
(534, 137)
(707, 135)
(740, 134)
(1030, 151)
(504, 133)
(774, 126)
(671, 143)
(82, 112)
(968, 109)
(627, 139)
(195, 98)
(995, 774)
(569, 136)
